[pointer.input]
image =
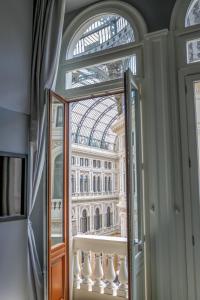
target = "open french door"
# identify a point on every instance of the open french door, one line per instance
(134, 189)
(58, 219)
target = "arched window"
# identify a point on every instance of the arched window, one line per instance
(185, 16)
(100, 28)
(106, 184)
(99, 184)
(193, 14)
(104, 32)
(97, 219)
(84, 222)
(58, 177)
(73, 161)
(108, 217)
(86, 162)
(193, 45)
(109, 184)
(73, 182)
(94, 184)
(86, 184)
(81, 162)
(94, 163)
(81, 183)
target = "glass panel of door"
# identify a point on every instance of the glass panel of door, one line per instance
(57, 171)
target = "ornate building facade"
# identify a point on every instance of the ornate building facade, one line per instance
(98, 181)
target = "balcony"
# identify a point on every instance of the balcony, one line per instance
(100, 268)
(97, 195)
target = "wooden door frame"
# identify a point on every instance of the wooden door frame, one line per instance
(57, 250)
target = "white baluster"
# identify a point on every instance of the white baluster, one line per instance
(77, 270)
(123, 278)
(98, 274)
(111, 287)
(87, 272)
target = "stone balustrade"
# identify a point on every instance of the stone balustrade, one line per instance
(87, 195)
(100, 264)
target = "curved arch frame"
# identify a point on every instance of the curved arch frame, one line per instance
(72, 33)
(87, 210)
(179, 14)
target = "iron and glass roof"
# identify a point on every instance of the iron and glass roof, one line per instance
(92, 120)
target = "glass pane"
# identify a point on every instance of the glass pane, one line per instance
(57, 172)
(100, 73)
(134, 163)
(197, 109)
(193, 51)
(103, 32)
(193, 14)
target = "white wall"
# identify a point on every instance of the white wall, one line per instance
(15, 66)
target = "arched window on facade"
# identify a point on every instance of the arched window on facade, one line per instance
(81, 184)
(99, 184)
(108, 217)
(97, 219)
(109, 184)
(86, 184)
(94, 184)
(86, 162)
(106, 183)
(73, 182)
(84, 221)
(58, 177)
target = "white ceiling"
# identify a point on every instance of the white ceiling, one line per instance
(75, 4)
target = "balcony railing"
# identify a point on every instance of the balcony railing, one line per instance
(100, 265)
(92, 194)
(100, 268)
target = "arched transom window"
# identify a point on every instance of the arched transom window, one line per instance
(104, 32)
(191, 17)
(193, 14)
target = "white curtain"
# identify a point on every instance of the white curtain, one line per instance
(47, 34)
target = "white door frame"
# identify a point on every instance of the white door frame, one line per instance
(190, 178)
